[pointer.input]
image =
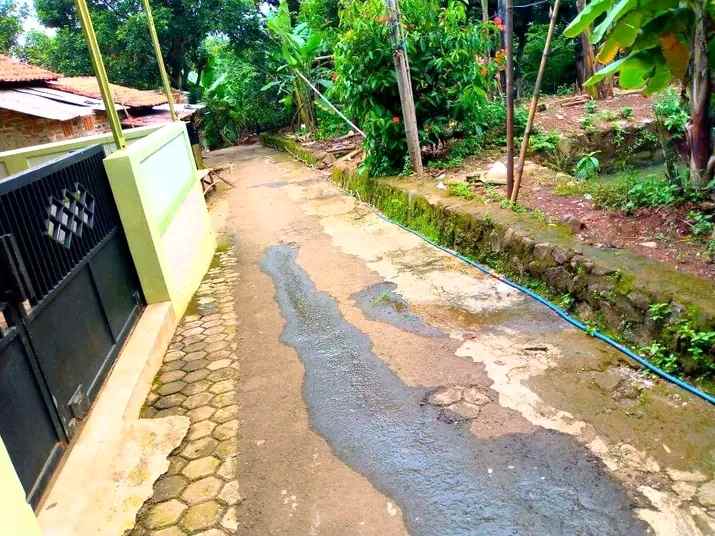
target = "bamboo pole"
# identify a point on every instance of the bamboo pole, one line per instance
(160, 59)
(404, 85)
(509, 44)
(534, 103)
(100, 73)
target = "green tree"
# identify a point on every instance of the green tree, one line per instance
(124, 40)
(660, 41)
(10, 24)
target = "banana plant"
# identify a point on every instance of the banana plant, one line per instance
(652, 43)
(298, 50)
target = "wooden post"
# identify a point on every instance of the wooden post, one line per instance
(160, 59)
(509, 44)
(100, 73)
(404, 85)
(534, 103)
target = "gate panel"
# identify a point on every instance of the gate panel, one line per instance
(74, 297)
(26, 425)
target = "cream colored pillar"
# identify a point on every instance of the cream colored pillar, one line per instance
(18, 517)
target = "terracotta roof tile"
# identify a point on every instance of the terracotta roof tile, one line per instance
(12, 70)
(126, 96)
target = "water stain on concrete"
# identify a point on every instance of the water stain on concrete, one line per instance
(381, 303)
(445, 479)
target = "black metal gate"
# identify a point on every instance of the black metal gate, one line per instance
(69, 297)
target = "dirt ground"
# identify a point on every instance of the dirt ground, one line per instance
(386, 388)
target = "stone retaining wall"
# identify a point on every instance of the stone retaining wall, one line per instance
(610, 289)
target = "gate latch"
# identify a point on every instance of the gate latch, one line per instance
(79, 405)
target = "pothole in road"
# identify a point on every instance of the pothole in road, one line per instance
(445, 479)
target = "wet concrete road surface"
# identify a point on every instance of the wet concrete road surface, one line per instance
(387, 389)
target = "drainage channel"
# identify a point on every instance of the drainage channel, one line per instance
(446, 480)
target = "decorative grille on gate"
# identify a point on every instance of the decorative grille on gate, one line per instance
(58, 214)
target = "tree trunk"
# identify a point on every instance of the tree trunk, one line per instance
(588, 63)
(699, 138)
(485, 10)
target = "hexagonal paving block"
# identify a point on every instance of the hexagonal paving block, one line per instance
(169, 488)
(193, 356)
(170, 388)
(198, 330)
(221, 363)
(196, 387)
(202, 490)
(201, 467)
(199, 448)
(196, 375)
(195, 346)
(226, 449)
(221, 354)
(173, 356)
(225, 399)
(166, 402)
(164, 514)
(222, 386)
(200, 414)
(200, 399)
(228, 469)
(229, 494)
(201, 429)
(218, 345)
(223, 374)
(215, 330)
(226, 430)
(229, 521)
(211, 532)
(171, 531)
(225, 414)
(171, 376)
(201, 516)
(194, 365)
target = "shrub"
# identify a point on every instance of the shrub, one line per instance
(235, 104)
(451, 76)
(587, 167)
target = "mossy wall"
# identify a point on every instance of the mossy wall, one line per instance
(290, 146)
(613, 291)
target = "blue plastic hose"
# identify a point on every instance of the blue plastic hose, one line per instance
(563, 314)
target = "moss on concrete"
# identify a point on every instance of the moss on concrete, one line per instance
(612, 290)
(290, 146)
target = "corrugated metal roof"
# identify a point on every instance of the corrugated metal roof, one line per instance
(26, 103)
(12, 70)
(68, 98)
(127, 96)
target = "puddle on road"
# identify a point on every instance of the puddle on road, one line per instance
(380, 302)
(445, 479)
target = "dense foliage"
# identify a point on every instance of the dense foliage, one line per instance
(560, 69)
(452, 75)
(235, 102)
(10, 24)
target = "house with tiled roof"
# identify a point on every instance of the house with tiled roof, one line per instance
(38, 106)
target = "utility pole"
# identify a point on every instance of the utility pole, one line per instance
(534, 103)
(404, 84)
(508, 42)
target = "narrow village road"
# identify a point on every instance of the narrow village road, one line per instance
(385, 388)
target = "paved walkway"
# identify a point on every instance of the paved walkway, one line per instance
(388, 389)
(198, 379)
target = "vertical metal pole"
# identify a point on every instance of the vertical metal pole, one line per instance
(404, 85)
(100, 73)
(508, 38)
(534, 103)
(159, 59)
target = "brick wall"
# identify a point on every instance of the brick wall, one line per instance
(22, 130)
